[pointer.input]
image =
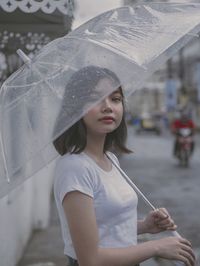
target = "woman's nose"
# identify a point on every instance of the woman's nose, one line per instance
(106, 105)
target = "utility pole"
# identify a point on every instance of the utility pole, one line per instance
(182, 71)
(169, 69)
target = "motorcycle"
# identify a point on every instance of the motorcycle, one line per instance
(184, 143)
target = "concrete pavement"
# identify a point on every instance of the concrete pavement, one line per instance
(45, 247)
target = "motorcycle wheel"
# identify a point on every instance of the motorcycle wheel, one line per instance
(184, 157)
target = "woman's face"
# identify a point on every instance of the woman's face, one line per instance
(105, 116)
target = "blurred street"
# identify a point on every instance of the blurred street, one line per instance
(161, 179)
(165, 183)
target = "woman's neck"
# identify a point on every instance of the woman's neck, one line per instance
(95, 150)
(95, 146)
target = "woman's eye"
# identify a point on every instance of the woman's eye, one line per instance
(116, 99)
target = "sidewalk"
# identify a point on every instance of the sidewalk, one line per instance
(46, 246)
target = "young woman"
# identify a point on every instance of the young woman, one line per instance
(97, 208)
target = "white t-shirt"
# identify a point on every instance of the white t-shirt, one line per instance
(115, 202)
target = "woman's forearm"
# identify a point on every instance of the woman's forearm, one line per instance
(126, 256)
(173, 248)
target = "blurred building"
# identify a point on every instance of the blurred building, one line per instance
(183, 70)
(132, 2)
(28, 25)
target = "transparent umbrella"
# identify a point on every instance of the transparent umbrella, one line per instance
(131, 42)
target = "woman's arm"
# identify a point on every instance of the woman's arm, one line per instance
(81, 219)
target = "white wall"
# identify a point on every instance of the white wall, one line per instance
(22, 211)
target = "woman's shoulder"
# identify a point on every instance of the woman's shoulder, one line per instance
(71, 161)
(73, 173)
(71, 157)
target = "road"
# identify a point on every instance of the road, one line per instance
(165, 183)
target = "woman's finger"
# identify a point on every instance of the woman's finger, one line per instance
(171, 228)
(188, 255)
(185, 241)
(164, 211)
(189, 250)
(165, 222)
(185, 260)
(161, 213)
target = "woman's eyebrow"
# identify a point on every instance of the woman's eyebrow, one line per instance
(116, 93)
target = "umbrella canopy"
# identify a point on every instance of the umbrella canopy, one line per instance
(124, 46)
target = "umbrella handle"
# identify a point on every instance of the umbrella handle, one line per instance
(135, 188)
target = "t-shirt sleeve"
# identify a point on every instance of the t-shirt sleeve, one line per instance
(74, 175)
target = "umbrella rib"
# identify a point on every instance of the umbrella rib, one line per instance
(27, 61)
(4, 157)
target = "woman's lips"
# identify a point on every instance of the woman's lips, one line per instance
(107, 119)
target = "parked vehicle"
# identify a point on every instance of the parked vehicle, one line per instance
(149, 123)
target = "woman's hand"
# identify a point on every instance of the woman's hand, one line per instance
(175, 248)
(157, 221)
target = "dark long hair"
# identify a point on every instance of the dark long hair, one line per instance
(74, 139)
